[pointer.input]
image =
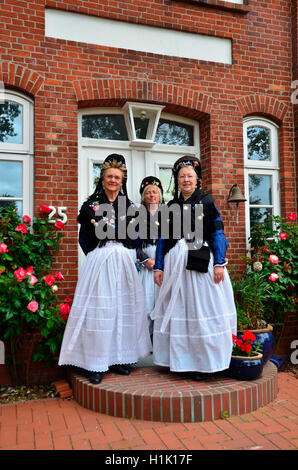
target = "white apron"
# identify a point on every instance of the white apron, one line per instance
(194, 318)
(107, 324)
(150, 288)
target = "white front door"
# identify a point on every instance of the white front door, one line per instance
(102, 132)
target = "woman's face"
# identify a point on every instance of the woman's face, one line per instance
(151, 196)
(187, 180)
(112, 179)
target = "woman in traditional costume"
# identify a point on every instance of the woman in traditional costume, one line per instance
(107, 325)
(195, 315)
(151, 192)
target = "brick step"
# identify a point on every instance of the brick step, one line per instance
(154, 393)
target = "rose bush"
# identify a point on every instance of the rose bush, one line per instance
(28, 299)
(266, 290)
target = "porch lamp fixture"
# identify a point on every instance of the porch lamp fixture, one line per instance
(141, 121)
(235, 196)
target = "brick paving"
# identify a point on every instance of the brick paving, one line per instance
(62, 424)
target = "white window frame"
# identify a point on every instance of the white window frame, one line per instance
(257, 167)
(21, 152)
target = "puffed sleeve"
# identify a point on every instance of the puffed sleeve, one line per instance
(215, 231)
(87, 238)
(160, 254)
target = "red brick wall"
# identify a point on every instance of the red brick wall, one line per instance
(63, 75)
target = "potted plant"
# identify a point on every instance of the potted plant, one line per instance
(32, 318)
(266, 290)
(247, 359)
(252, 291)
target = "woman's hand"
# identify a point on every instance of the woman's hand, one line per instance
(219, 274)
(149, 264)
(158, 277)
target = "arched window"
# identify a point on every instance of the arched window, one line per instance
(261, 163)
(16, 151)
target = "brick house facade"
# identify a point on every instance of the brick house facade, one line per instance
(60, 77)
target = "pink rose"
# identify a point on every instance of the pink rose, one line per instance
(32, 306)
(20, 274)
(3, 248)
(291, 216)
(33, 280)
(273, 259)
(59, 276)
(45, 209)
(59, 225)
(30, 270)
(283, 235)
(26, 219)
(273, 277)
(64, 308)
(64, 311)
(22, 228)
(49, 279)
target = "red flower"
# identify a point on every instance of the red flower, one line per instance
(68, 300)
(59, 276)
(32, 306)
(248, 336)
(45, 209)
(283, 235)
(64, 308)
(292, 216)
(3, 248)
(26, 219)
(22, 228)
(273, 277)
(64, 311)
(20, 274)
(273, 259)
(49, 279)
(59, 225)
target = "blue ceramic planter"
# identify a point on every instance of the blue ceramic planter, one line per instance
(266, 339)
(246, 368)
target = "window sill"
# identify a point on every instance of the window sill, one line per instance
(220, 5)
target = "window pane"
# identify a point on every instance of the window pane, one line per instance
(141, 127)
(260, 189)
(258, 143)
(17, 204)
(96, 173)
(11, 178)
(260, 215)
(11, 122)
(104, 126)
(174, 133)
(165, 176)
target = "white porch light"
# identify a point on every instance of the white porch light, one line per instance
(142, 120)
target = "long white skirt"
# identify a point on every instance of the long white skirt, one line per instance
(150, 288)
(107, 324)
(194, 318)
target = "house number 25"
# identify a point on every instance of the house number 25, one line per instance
(60, 211)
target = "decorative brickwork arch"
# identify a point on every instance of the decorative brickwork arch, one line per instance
(116, 91)
(262, 104)
(20, 77)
